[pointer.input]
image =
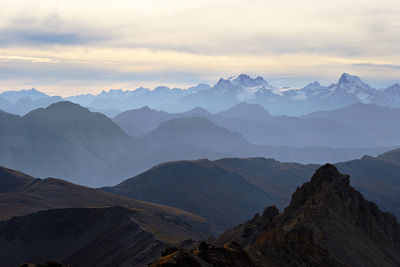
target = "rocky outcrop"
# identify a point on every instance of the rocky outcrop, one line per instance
(205, 255)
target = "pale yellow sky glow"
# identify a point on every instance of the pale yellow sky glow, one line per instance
(70, 47)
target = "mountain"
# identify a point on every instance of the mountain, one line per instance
(14, 96)
(392, 156)
(247, 111)
(199, 132)
(201, 187)
(70, 222)
(380, 126)
(63, 140)
(327, 223)
(4, 103)
(25, 105)
(24, 101)
(141, 121)
(390, 96)
(347, 91)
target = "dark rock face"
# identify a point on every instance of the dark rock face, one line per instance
(327, 223)
(230, 254)
(46, 264)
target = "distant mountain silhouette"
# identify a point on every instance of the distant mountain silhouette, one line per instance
(247, 111)
(31, 94)
(141, 121)
(378, 123)
(327, 223)
(199, 132)
(392, 156)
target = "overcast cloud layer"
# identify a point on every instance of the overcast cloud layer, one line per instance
(69, 47)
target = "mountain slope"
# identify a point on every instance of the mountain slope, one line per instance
(93, 222)
(30, 194)
(78, 237)
(201, 187)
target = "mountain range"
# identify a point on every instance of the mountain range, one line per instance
(355, 126)
(242, 186)
(68, 141)
(225, 94)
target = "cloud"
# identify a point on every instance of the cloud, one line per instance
(120, 43)
(39, 38)
(48, 30)
(385, 66)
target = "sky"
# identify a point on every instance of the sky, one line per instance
(75, 47)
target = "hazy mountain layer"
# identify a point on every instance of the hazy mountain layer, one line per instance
(358, 126)
(378, 123)
(68, 141)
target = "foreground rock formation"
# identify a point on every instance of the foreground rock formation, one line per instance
(327, 223)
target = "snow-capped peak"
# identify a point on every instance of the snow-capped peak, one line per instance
(312, 86)
(352, 79)
(395, 88)
(245, 80)
(223, 83)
